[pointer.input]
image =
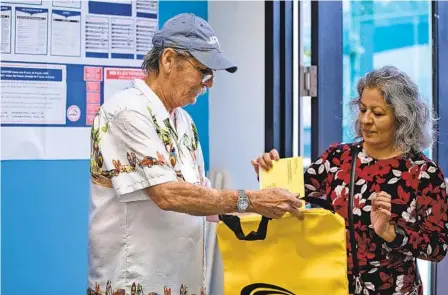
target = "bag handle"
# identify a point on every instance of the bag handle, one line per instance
(233, 222)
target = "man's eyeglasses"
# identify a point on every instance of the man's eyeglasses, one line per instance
(207, 74)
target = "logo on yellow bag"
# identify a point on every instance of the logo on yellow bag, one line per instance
(264, 289)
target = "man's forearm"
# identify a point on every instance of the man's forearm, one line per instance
(193, 199)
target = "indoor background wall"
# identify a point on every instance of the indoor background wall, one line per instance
(237, 100)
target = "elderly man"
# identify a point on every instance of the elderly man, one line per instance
(149, 192)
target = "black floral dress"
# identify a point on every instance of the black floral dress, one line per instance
(419, 206)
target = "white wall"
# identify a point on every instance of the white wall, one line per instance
(236, 106)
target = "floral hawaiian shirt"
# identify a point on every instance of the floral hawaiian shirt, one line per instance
(135, 247)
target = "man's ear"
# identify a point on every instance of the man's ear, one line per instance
(167, 60)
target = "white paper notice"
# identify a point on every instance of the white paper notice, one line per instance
(31, 30)
(147, 6)
(122, 38)
(30, 2)
(33, 93)
(146, 27)
(66, 33)
(117, 79)
(67, 3)
(6, 29)
(97, 36)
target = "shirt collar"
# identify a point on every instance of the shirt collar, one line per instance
(157, 105)
(159, 109)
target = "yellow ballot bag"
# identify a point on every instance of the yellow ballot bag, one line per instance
(285, 256)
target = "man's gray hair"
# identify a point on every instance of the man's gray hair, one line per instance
(152, 58)
(414, 119)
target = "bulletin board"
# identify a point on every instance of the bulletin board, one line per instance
(60, 60)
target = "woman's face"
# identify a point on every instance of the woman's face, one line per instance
(376, 119)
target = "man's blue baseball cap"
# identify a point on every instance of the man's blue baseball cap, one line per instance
(193, 34)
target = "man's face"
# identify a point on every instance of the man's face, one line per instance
(187, 80)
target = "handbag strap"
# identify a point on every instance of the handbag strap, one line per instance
(233, 222)
(354, 154)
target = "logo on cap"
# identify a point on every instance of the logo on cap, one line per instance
(214, 41)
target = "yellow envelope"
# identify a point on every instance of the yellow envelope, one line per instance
(286, 173)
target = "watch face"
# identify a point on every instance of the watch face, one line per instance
(243, 204)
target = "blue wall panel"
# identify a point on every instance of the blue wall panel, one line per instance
(44, 210)
(44, 227)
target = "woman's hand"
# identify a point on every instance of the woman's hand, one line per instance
(380, 216)
(265, 161)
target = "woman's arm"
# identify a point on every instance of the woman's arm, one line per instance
(316, 174)
(430, 240)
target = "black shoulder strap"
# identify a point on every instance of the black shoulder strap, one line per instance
(354, 154)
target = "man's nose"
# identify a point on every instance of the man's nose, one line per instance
(209, 83)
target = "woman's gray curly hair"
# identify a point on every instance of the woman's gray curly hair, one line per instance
(414, 119)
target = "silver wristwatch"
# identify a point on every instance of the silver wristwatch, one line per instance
(243, 202)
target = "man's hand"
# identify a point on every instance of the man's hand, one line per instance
(274, 203)
(265, 161)
(380, 216)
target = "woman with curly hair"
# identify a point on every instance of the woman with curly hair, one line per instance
(399, 206)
